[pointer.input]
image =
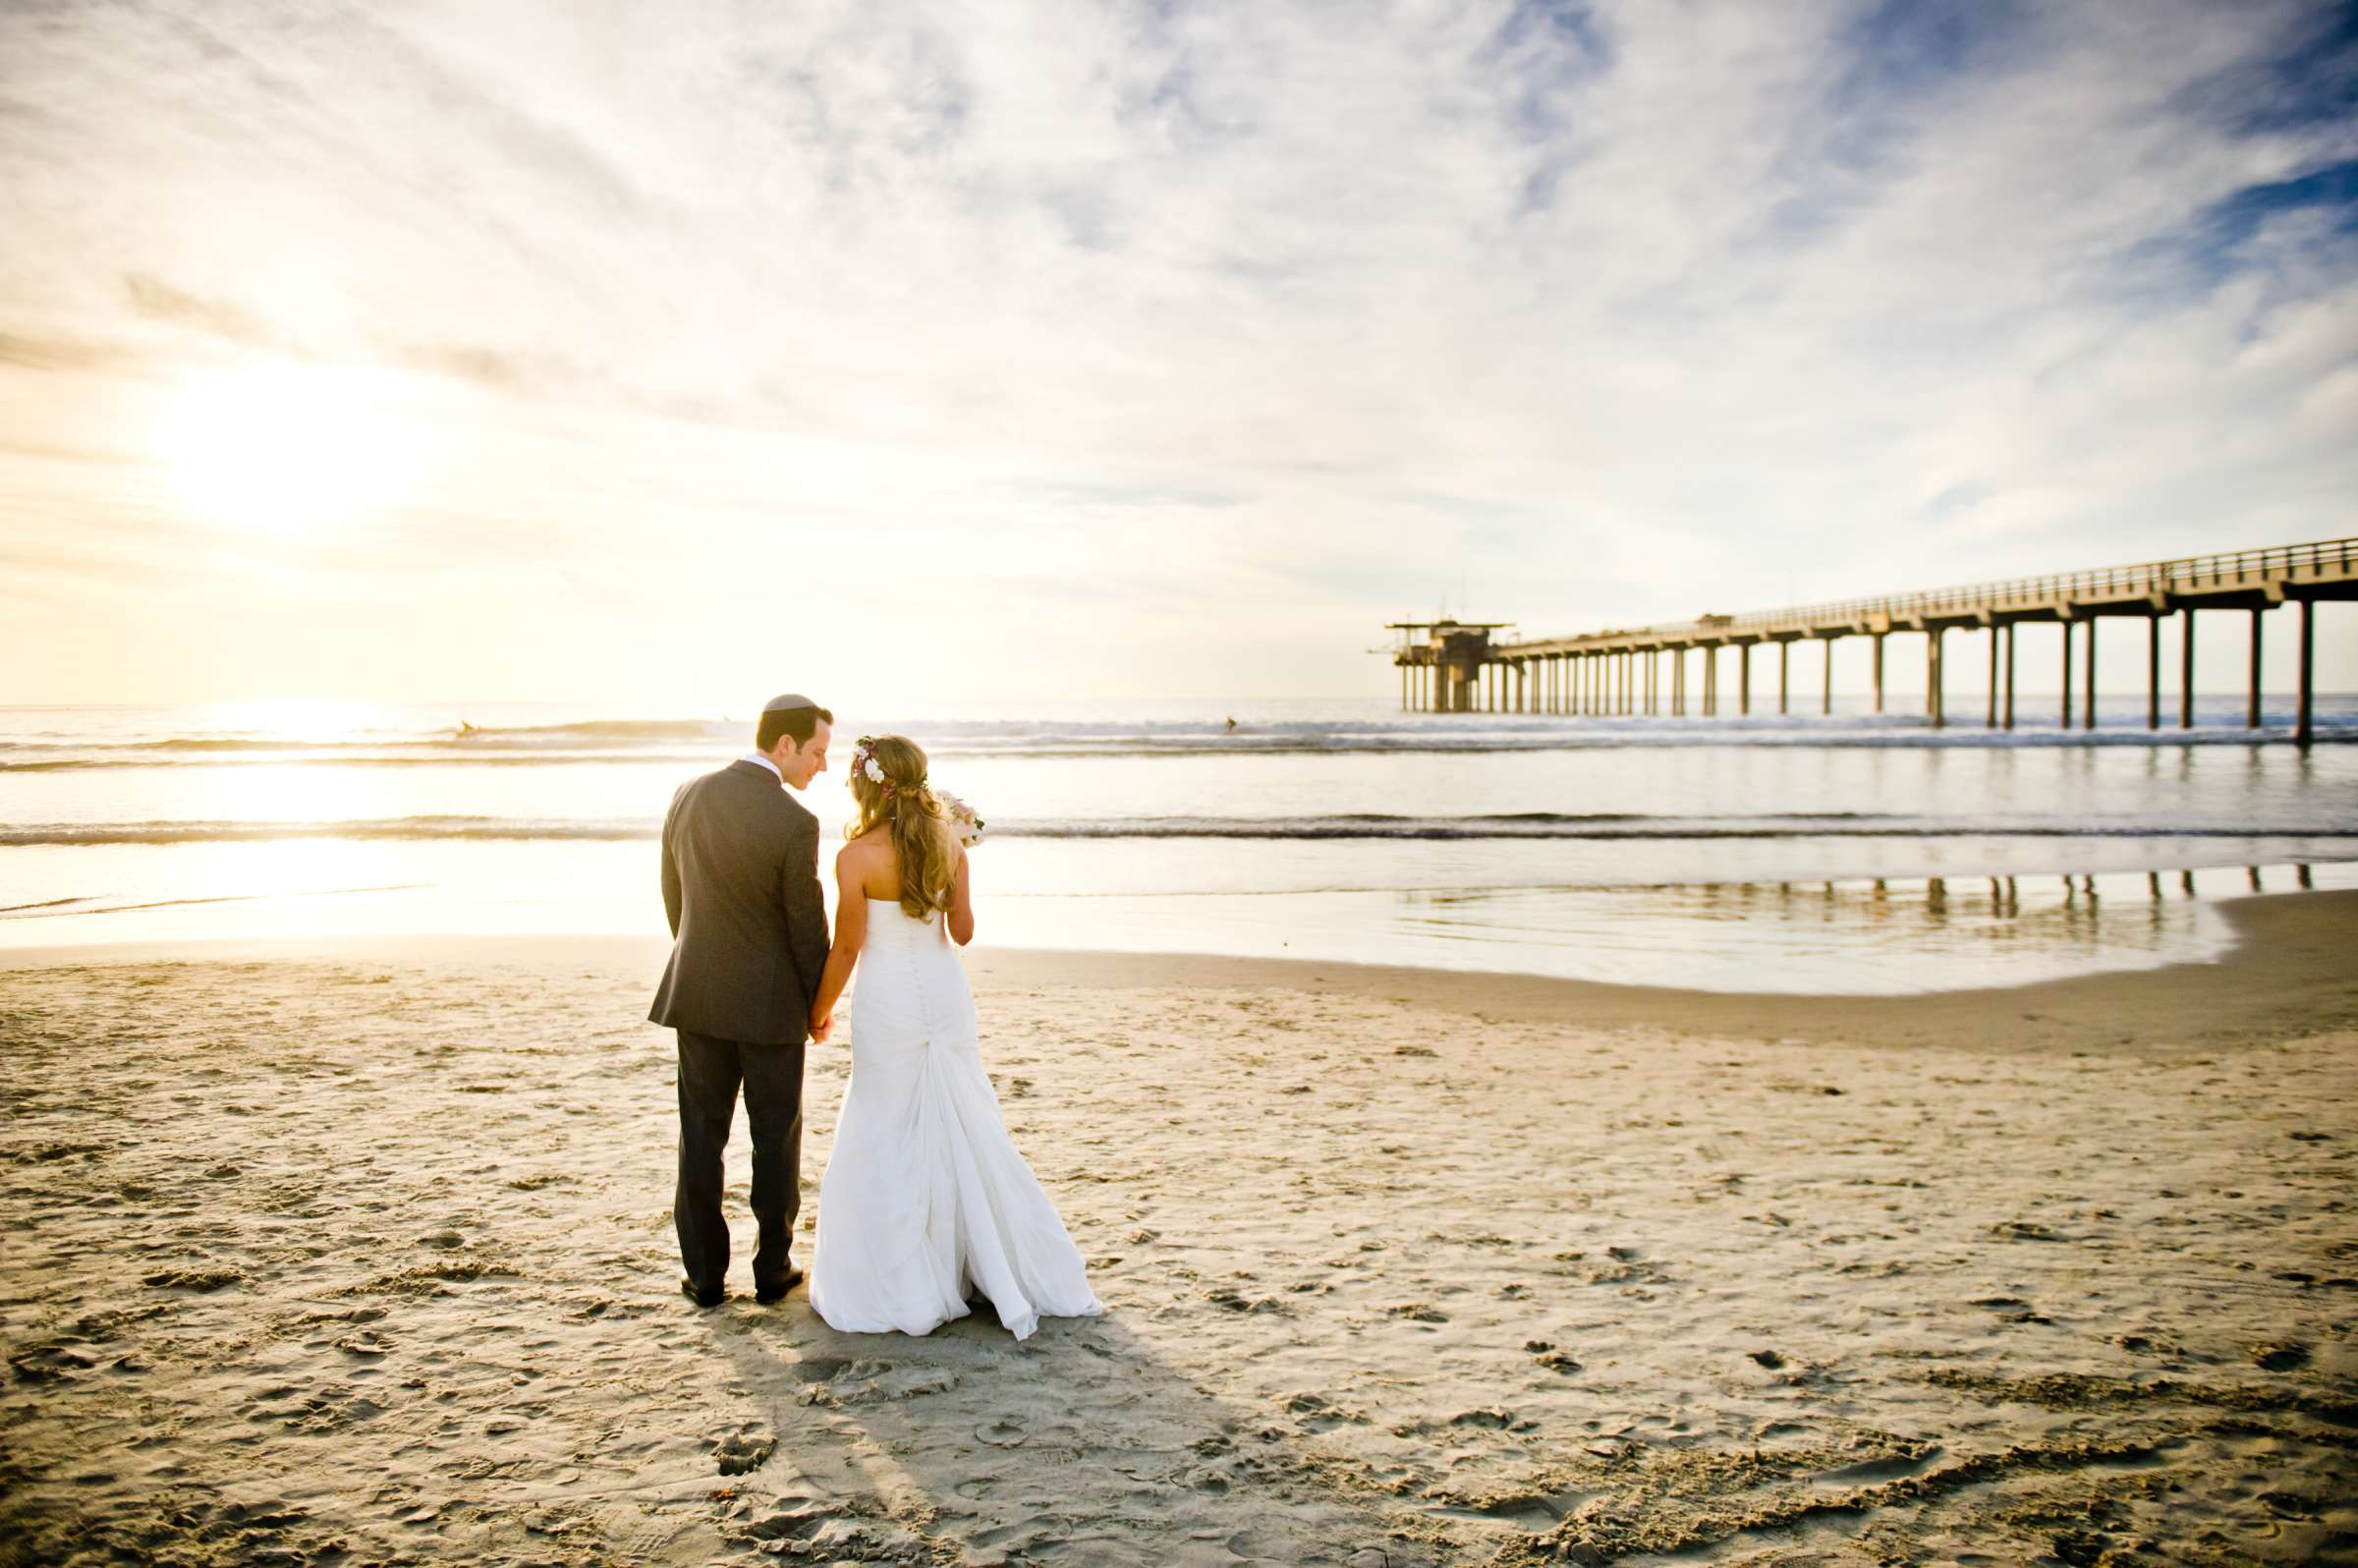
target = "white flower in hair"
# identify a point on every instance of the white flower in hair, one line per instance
(875, 771)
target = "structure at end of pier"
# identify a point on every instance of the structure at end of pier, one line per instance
(1458, 667)
(1449, 659)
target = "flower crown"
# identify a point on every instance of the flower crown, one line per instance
(864, 762)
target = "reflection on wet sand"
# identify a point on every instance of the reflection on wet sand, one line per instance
(1872, 934)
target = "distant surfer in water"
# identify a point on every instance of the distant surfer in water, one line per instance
(1232, 726)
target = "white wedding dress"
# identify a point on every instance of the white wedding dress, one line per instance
(924, 1198)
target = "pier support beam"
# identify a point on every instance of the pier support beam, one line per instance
(1678, 683)
(1933, 694)
(1785, 674)
(2152, 671)
(2088, 718)
(2251, 714)
(1879, 670)
(1744, 679)
(1825, 704)
(2186, 668)
(1711, 680)
(2301, 729)
(2009, 675)
(2067, 673)
(1991, 722)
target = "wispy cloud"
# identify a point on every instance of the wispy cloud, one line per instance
(1127, 322)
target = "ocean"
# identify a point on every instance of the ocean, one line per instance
(1850, 853)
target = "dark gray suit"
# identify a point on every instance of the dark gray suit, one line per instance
(749, 929)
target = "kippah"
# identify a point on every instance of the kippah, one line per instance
(787, 704)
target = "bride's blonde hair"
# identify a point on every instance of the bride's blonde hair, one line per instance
(920, 829)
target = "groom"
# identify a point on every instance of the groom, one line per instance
(749, 931)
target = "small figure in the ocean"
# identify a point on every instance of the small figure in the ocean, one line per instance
(1232, 726)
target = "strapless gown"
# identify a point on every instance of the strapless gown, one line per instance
(925, 1199)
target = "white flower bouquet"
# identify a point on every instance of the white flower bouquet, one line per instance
(961, 817)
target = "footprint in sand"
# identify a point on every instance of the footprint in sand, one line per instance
(1546, 1354)
(1236, 1302)
(1004, 1433)
(200, 1279)
(742, 1451)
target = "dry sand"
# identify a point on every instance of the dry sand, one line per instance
(366, 1249)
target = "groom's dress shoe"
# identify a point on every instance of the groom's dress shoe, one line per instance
(701, 1296)
(769, 1292)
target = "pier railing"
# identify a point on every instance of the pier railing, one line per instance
(2152, 577)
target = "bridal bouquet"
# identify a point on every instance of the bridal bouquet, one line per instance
(962, 817)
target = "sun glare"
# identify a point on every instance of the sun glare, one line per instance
(289, 448)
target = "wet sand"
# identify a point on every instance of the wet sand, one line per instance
(361, 1252)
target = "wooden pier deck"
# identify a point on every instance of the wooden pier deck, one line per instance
(1462, 667)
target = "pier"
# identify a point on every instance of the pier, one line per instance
(1462, 667)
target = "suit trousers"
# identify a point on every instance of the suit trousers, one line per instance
(711, 1071)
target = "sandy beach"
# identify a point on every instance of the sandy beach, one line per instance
(361, 1252)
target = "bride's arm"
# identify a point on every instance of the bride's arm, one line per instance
(962, 905)
(851, 929)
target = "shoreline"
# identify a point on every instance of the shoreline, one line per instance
(2290, 972)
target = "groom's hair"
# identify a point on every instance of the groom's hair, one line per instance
(800, 722)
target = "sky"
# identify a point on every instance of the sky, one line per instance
(669, 355)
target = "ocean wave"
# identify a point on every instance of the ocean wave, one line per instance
(1537, 825)
(549, 750)
(388, 827)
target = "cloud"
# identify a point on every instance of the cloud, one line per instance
(1226, 307)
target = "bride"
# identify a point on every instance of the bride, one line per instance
(925, 1199)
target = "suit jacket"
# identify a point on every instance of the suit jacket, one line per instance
(748, 923)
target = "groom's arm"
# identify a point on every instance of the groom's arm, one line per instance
(805, 904)
(671, 867)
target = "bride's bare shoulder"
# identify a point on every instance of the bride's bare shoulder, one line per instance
(872, 859)
(864, 852)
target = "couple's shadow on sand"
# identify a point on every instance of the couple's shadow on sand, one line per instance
(1083, 1444)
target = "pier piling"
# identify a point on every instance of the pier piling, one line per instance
(2301, 733)
(1933, 694)
(2186, 668)
(2009, 675)
(2088, 717)
(2251, 717)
